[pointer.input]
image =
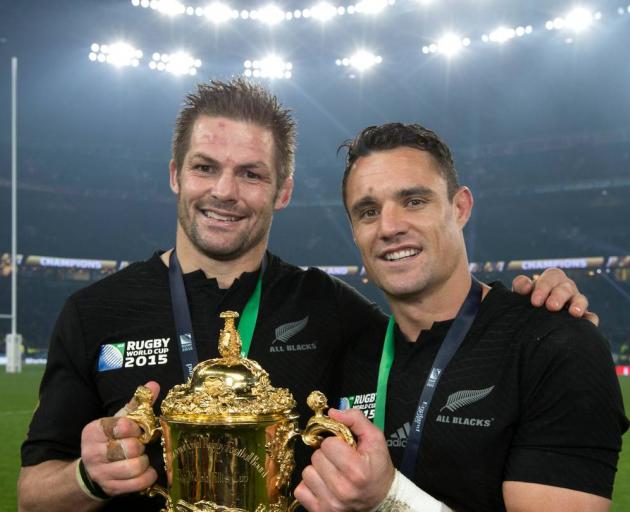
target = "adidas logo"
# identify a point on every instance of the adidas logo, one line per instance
(399, 438)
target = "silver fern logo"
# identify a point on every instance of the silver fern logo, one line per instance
(465, 397)
(286, 331)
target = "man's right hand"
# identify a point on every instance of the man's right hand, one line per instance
(113, 455)
(341, 478)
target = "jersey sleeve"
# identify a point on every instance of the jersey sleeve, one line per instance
(569, 433)
(68, 399)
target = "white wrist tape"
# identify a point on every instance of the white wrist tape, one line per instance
(405, 496)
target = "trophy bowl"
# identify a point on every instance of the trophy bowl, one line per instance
(227, 434)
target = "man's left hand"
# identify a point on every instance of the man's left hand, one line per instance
(342, 478)
(555, 290)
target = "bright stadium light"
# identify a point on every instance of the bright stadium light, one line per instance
(361, 60)
(323, 11)
(371, 6)
(180, 63)
(579, 19)
(219, 13)
(269, 67)
(270, 14)
(501, 35)
(450, 45)
(118, 54)
(169, 7)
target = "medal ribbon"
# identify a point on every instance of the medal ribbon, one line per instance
(183, 323)
(454, 338)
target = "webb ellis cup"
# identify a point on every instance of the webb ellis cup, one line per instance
(228, 434)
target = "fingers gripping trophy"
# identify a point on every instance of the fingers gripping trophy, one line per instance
(228, 434)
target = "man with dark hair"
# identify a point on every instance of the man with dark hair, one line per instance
(479, 401)
(150, 323)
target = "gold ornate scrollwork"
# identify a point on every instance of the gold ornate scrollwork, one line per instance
(209, 506)
(157, 490)
(204, 506)
(280, 451)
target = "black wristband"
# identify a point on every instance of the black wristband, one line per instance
(93, 488)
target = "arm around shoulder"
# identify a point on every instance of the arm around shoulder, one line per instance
(53, 486)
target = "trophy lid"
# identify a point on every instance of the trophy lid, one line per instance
(229, 389)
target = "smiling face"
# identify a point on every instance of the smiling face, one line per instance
(227, 190)
(408, 232)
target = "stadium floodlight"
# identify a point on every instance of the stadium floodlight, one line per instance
(270, 14)
(169, 7)
(118, 54)
(180, 63)
(501, 35)
(323, 11)
(361, 60)
(449, 45)
(218, 12)
(371, 6)
(269, 67)
(579, 19)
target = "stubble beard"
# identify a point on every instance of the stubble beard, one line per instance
(241, 244)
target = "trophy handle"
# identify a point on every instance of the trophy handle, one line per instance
(145, 418)
(322, 424)
(319, 425)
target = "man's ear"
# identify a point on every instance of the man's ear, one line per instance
(173, 177)
(284, 194)
(462, 205)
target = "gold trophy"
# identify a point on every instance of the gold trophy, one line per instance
(228, 434)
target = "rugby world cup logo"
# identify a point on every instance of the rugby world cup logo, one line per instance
(111, 357)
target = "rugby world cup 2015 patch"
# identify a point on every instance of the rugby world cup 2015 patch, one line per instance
(131, 354)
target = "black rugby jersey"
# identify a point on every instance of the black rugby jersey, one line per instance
(529, 396)
(118, 333)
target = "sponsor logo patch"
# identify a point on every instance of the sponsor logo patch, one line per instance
(130, 354)
(398, 439)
